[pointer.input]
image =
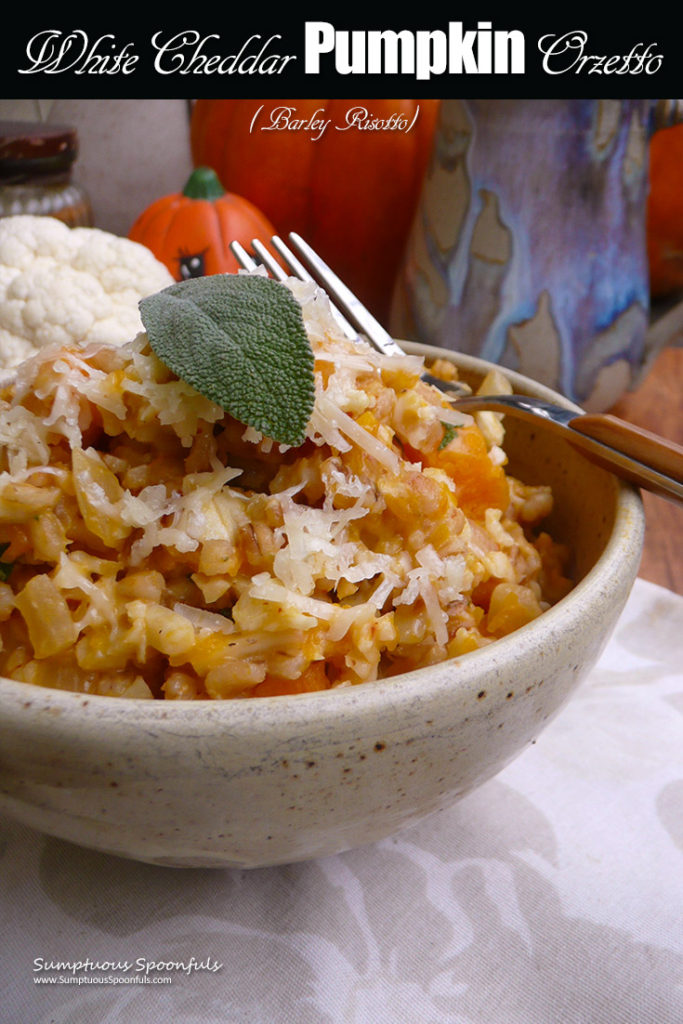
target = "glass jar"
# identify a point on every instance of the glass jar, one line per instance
(36, 163)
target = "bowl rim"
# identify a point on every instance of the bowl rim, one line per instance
(618, 559)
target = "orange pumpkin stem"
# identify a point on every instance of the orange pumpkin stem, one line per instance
(203, 183)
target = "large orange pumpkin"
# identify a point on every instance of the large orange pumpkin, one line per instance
(351, 192)
(190, 231)
(665, 211)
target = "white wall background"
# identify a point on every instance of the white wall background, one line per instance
(131, 151)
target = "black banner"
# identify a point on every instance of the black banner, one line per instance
(456, 54)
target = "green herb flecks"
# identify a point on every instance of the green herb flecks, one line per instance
(239, 340)
(449, 432)
(5, 567)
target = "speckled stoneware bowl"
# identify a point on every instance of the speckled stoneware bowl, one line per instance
(261, 782)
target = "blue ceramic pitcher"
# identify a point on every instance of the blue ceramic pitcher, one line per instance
(529, 244)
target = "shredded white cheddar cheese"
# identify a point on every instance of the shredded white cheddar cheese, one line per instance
(152, 546)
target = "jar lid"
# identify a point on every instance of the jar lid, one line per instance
(28, 148)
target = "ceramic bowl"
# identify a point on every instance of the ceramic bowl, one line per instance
(253, 783)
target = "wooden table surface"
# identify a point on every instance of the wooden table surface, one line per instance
(657, 405)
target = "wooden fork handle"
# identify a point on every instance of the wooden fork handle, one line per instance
(662, 455)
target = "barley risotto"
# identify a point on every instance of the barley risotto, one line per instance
(154, 546)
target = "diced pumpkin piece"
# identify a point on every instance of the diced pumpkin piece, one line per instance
(102, 649)
(167, 631)
(312, 679)
(48, 537)
(14, 541)
(133, 687)
(43, 607)
(182, 686)
(21, 501)
(480, 483)
(6, 601)
(512, 605)
(97, 493)
(232, 677)
(465, 640)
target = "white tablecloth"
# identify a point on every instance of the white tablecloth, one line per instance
(552, 895)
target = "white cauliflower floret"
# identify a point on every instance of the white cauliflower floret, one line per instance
(66, 285)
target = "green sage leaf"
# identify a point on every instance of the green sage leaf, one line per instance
(241, 341)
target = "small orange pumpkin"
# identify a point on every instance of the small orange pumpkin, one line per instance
(190, 231)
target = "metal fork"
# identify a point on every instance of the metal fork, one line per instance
(633, 454)
(355, 319)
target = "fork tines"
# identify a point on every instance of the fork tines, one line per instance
(351, 314)
(353, 317)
